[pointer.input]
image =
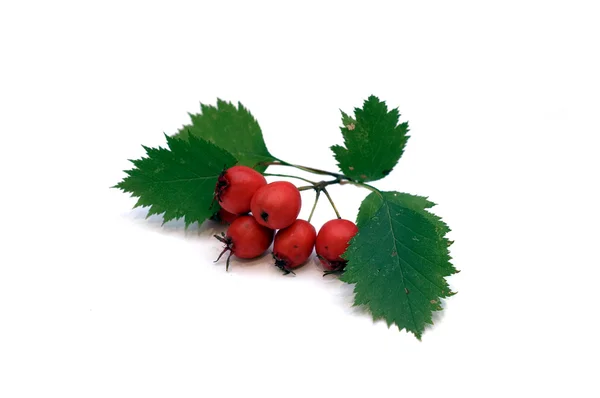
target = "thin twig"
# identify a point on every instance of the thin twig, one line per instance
(332, 204)
(363, 185)
(314, 205)
(289, 176)
(304, 168)
(339, 178)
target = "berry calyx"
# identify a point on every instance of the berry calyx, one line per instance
(224, 217)
(332, 241)
(276, 205)
(245, 238)
(294, 245)
(236, 186)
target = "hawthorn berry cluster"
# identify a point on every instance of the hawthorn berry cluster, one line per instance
(396, 256)
(255, 210)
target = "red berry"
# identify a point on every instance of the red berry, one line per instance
(276, 205)
(224, 217)
(294, 245)
(236, 186)
(245, 238)
(332, 242)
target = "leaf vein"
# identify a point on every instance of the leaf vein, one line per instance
(399, 266)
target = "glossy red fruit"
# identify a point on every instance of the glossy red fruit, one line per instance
(276, 205)
(236, 186)
(245, 238)
(294, 245)
(332, 242)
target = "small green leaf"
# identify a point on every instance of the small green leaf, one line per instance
(373, 139)
(233, 129)
(399, 259)
(373, 202)
(179, 181)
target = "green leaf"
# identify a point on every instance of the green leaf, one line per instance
(399, 259)
(179, 181)
(373, 202)
(373, 139)
(233, 129)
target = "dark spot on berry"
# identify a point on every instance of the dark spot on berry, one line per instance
(386, 172)
(295, 246)
(265, 216)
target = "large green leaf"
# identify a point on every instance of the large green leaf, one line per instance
(399, 259)
(179, 181)
(233, 129)
(373, 139)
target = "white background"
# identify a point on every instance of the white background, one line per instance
(502, 99)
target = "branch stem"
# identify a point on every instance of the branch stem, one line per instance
(304, 168)
(314, 205)
(331, 201)
(318, 186)
(289, 176)
(367, 186)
